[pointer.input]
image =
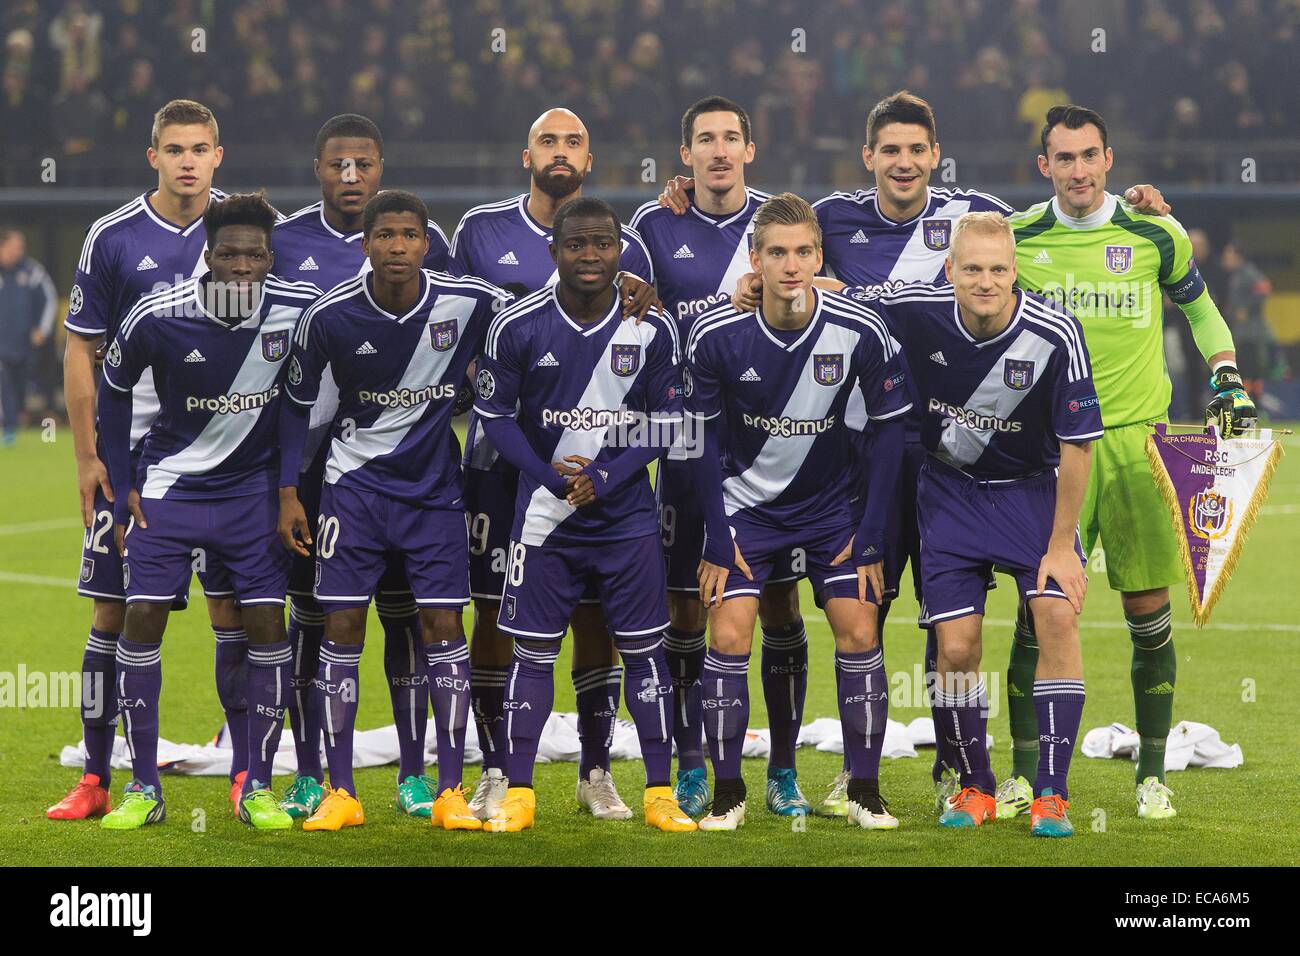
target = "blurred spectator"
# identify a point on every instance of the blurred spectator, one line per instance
(74, 35)
(135, 107)
(81, 116)
(1247, 292)
(27, 303)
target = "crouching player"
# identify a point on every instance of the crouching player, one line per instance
(584, 511)
(398, 340)
(216, 344)
(779, 477)
(1009, 410)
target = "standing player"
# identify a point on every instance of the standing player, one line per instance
(1093, 252)
(153, 241)
(507, 243)
(697, 260)
(215, 344)
(1009, 411)
(321, 243)
(780, 476)
(398, 340)
(897, 232)
(577, 374)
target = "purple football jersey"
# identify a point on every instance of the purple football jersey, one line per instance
(862, 246)
(996, 408)
(397, 379)
(127, 254)
(217, 385)
(502, 243)
(697, 257)
(573, 385)
(309, 249)
(787, 460)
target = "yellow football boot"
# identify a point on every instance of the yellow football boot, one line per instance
(662, 811)
(451, 812)
(338, 810)
(517, 812)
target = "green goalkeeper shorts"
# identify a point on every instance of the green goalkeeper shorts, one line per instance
(1124, 509)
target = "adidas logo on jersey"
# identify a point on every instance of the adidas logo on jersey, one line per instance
(365, 348)
(195, 356)
(750, 375)
(938, 358)
(1042, 259)
(146, 264)
(548, 361)
(684, 252)
(308, 265)
(508, 260)
(859, 238)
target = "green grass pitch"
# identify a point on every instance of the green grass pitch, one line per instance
(1239, 675)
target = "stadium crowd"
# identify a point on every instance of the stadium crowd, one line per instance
(81, 76)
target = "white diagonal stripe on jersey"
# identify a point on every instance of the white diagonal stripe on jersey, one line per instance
(225, 433)
(545, 512)
(427, 367)
(780, 459)
(961, 445)
(917, 262)
(739, 263)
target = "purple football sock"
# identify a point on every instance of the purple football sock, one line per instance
(306, 631)
(487, 695)
(269, 668)
(598, 693)
(725, 696)
(943, 755)
(1059, 706)
(408, 681)
(784, 666)
(864, 709)
(963, 720)
(650, 702)
(530, 694)
(99, 702)
(337, 689)
(139, 685)
(232, 691)
(684, 651)
(447, 664)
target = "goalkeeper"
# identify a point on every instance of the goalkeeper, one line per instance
(1109, 265)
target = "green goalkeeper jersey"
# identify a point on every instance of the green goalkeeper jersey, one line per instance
(1109, 269)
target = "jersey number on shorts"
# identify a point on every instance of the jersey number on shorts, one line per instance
(95, 535)
(515, 574)
(668, 524)
(327, 535)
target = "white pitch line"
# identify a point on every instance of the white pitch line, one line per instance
(16, 578)
(1280, 510)
(28, 527)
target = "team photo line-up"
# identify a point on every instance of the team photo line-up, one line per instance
(904, 373)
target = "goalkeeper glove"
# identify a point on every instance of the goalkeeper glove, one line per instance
(1231, 408)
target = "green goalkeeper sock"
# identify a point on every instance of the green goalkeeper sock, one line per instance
(1020, 697)
(1155, 668)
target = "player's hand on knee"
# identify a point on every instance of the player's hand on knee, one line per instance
(1147, 199)
(636, 296)
(91, 475)
(295, 533)
(749, 292)
(1062, 564)
(674, 196)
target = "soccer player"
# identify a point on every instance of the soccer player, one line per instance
(398, 340)
(148, 244)
(781, 476)
(216, 345)
(697, 259)
(1093, 252)
(507, 243)
(578, 374)
(1009, 412)
(321, 243)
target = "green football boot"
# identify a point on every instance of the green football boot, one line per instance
(303, 797)
(415, 797)
(259, 809)
(140, 805)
